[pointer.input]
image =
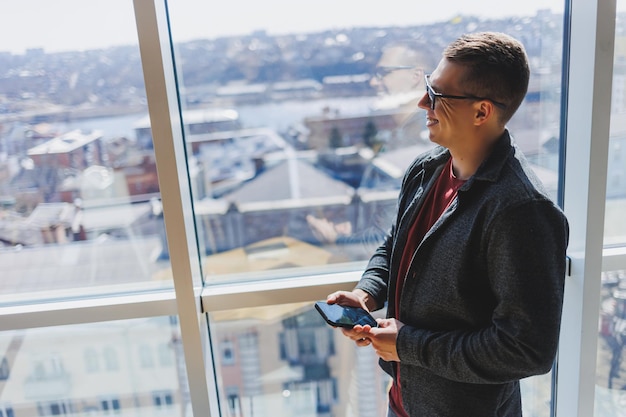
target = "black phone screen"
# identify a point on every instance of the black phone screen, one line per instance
(344, 316)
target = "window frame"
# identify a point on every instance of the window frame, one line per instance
(587, 114)
(588, 82)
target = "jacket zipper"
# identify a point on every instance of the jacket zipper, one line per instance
(440, 221)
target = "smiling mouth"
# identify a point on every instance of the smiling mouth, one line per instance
(431, 122)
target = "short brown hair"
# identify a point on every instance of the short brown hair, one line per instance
(497, 67)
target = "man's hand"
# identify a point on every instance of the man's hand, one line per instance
(346, 298)
(382, 338)
(355, 298)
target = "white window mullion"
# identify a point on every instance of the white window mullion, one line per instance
(87, 310)
(169, 149)
(614, 259)
(589, 108)
(276, 291)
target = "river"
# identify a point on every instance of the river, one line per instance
(276, 115)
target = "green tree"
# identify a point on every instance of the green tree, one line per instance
(369, 134)
(335, 140)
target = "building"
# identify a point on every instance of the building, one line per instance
(349, 130)
(74, 150)
(197, 121)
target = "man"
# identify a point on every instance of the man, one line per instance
(399, 73)
(473, 269)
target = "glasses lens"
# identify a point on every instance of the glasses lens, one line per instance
(431, 93)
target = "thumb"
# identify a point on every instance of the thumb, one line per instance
(383, 322)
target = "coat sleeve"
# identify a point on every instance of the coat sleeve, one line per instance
(525, 255)
(375, 279)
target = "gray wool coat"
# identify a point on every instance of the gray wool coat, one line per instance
(482, 300)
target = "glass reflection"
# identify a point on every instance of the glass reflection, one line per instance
(284, 360)
(305, 135)
(615, 223)
(79, 196)
(610, 399)
(307, 180)
(126, 368)
(611, 368)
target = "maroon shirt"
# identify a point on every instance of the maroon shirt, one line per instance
(437, 201)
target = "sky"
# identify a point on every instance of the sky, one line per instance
(62, 25)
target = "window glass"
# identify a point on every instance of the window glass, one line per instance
(615, 222)
(79, 197)
(300, 124)
(165, 354)
(610, 399)
(91, 360)
(285, 360)
(110, 358)
(46, 375)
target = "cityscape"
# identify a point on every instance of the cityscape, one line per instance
(296, 149)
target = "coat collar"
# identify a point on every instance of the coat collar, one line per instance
(491, 167)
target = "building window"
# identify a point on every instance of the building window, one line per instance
(4, 370)
(48, 367)
(234, 401)
(146, 358)
(162, 399)
(55, 408)
(111, 362)
(228, 352)
(166, 355)
(92, 361)
(6, 411)
(110, 406)
(306, 342)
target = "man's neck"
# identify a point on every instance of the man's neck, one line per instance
(465, 162)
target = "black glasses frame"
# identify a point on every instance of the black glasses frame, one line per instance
(433, 95)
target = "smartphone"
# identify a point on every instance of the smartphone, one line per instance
(344, 316)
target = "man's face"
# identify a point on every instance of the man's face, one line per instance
(451, 119)
(397, 72)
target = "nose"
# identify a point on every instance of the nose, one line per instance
(424, 102)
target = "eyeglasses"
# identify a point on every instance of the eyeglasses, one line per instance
(432, 96)
(383, 71)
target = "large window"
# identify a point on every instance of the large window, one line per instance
(180, 180)
(297, 140)
(610, 366)
(61, 370)
(298, 127)
(79, 195)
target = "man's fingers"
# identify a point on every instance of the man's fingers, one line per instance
(364, 341)
(336, 297)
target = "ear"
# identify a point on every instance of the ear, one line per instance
(484, 111)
